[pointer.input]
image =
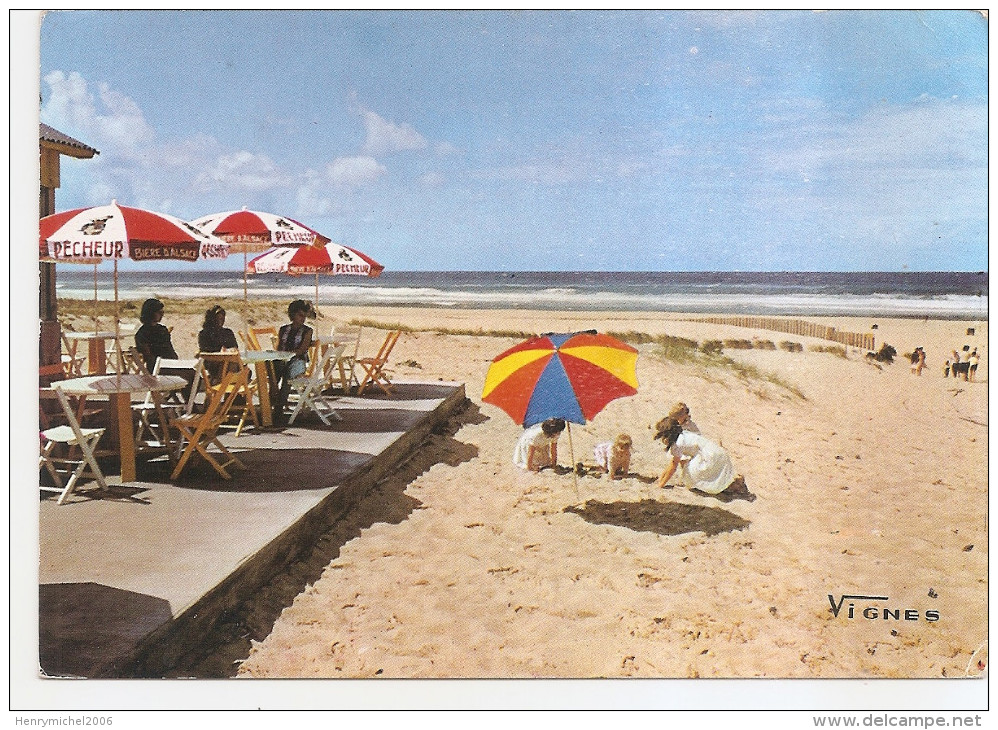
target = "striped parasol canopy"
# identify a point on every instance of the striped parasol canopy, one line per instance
(571, 376)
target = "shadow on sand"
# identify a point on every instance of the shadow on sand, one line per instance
(385, 503)
(662, 518)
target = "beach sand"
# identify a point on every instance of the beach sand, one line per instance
(870, 481)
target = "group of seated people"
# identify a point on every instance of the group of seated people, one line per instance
(701, 464)
(153, 341)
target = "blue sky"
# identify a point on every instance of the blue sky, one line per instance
(514, 140)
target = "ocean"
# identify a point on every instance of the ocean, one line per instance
(946, 295)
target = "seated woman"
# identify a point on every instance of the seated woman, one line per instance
(153, 341)
(215, 337)
(538, 445)
(294, 337)
(702, 464)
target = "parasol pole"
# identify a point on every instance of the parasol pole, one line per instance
(317, 292)
(96, 328)
(571, 452)
(117, 322)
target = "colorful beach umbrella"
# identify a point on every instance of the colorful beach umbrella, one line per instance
(88, 235)
(253, 231)
(571, 376)
(329, 258)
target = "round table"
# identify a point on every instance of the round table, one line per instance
(119, 390)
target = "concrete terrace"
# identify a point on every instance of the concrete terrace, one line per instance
(130, 582)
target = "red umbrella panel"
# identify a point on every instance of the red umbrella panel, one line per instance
(331, 258)
(253, 230)
(571, 376)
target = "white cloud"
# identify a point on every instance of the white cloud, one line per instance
(139, 168)
(110, 121)
(243, 171)
(433, 179)
(354, 171)
(384, 137)
(446, 148)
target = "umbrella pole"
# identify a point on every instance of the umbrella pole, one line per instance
(245, 295)
(117, 323)
(96, 328)
(316, 293)
(571, 452)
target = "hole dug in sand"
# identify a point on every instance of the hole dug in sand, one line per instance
(663, 518)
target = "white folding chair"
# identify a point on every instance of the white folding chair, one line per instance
(309, 389)
(172, 403)
(350, 336)
(71, 436)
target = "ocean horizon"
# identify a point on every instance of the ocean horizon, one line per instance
(947, 295)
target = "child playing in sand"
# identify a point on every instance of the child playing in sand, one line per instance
(681, 413)
(538, 445)
(614, 457)
(702, 465)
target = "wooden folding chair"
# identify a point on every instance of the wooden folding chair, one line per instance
(200, 430)
(229, 362)
(256, 333)
(131, 361)
(73, 437)
(309, 389)
(72, 362)
(374, 367)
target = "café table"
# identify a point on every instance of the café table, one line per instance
(97, 349)
(259, 359)
(119, 390)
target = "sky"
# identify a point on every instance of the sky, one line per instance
(544, 140)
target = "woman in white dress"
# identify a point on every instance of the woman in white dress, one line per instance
(538, 445)
(702, 464)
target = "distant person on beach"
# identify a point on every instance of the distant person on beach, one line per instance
(703, 465)
(965, 363)
(153, 342)
(614, 457)
(917, 361)
(294, 337)
(538, 445)
(974, 361)
(955, 364)
(946, 369)
(681, 412)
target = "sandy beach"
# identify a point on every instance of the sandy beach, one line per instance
(870, 482)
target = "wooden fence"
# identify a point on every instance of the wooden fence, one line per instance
(798, 327)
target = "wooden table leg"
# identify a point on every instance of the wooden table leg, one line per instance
(121, 433)
(263, 388)
(97, 357)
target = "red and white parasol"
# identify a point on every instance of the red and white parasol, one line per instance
(331, 258)
(113, 231)
(117, 232)
(253, 231)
